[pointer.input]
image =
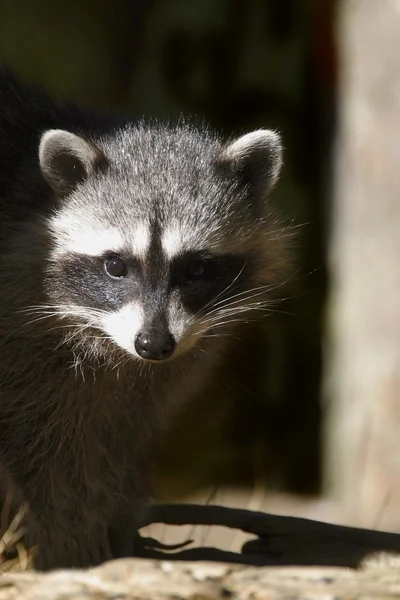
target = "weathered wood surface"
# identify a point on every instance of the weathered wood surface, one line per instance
(282, 541)
(132, 579)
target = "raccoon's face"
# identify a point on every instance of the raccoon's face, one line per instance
(159, 236)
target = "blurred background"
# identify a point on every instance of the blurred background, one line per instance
(305, 416)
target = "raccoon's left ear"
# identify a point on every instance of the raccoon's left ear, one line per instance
(255, 157)
(66, 159)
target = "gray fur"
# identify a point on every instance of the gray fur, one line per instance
(79, 414)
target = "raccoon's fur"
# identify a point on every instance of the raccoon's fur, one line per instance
(128, 252)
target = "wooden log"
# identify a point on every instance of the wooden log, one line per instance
(280, 541)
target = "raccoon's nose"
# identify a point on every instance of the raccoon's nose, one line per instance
(154, 346)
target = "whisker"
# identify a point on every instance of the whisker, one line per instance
(233, 310)
(211, 302)
(228, 322)
(246, 295)
(226, 300)
(220, 335)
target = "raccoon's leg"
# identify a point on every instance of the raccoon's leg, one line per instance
(65, 540)
(124, 526)
(62, 550)
(64, 521)
(68, 532)
(131, 501)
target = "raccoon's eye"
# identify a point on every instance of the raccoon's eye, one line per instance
(115, 267)
(200, 268)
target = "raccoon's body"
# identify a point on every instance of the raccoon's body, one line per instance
(128, 252)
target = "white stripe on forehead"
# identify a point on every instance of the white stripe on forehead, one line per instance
(83, 237)
(90, 239)
(172, 241)
(140, 240)
(178, 238)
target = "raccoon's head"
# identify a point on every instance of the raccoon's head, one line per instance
(160, 236)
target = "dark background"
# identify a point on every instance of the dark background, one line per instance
(239, 65)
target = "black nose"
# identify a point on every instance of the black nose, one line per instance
(154, 346)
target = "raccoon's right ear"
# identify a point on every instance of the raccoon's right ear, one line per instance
(255, 158)
(66, 159)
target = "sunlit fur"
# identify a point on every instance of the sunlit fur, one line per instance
(80, 411)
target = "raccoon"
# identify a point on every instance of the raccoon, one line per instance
(130, 250)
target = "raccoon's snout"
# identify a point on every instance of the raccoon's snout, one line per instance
(154, 346)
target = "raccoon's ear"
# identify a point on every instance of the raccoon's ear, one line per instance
(255, 157)
(67, 159)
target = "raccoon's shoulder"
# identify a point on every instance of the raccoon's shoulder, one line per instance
(26, 111)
